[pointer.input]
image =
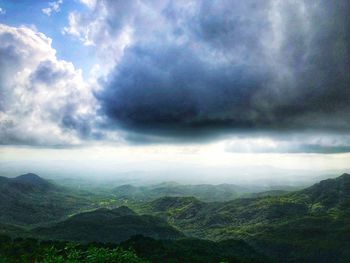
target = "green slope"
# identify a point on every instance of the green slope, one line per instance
(105, 225)
(311, 223)
(30, 200)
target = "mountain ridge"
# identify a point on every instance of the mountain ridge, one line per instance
(290, 227)
(29, 199)
(108, 226)
(28, 181)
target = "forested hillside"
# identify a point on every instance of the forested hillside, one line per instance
(309, 225)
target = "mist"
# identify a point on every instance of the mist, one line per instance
(185, 165)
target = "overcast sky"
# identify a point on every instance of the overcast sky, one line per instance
(226, 82)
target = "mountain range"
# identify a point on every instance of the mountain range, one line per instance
(308, 225)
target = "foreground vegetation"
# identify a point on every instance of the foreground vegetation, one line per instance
(138, 249)
(30, 250)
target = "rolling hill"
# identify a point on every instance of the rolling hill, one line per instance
(313, 222)
(29, 199)
(108, 225)
(328, 198)
(203, 192)
(309, 225)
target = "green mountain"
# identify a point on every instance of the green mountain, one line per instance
(331, 196)
(26, 183)
(108, 225)
(28, 200)
(328, 198)
(311, 223)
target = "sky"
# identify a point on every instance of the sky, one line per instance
(175, 85)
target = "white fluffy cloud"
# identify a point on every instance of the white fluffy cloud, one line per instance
(54, 7)
(43, 100)
(93, 29)
(89, 3)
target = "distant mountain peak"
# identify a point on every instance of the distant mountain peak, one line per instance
(345, 175)
(30, 176)
(109, 225)
(31, 179)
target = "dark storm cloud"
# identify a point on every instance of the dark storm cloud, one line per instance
(319, 60)
(234, 65)
(170, 88)
(231, 26)
(184, 71)
(314, 148)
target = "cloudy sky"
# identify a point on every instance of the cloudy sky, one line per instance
(192, 82)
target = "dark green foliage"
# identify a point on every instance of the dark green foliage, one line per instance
(105, 225)
(138, 249)
(194, 250)
(311, 239)
(30, 250)
(72, 254)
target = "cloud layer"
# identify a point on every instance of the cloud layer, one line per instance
(289, 143)
(188, 71)
(199, 66)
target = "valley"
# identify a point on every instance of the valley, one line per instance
(279, 226)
